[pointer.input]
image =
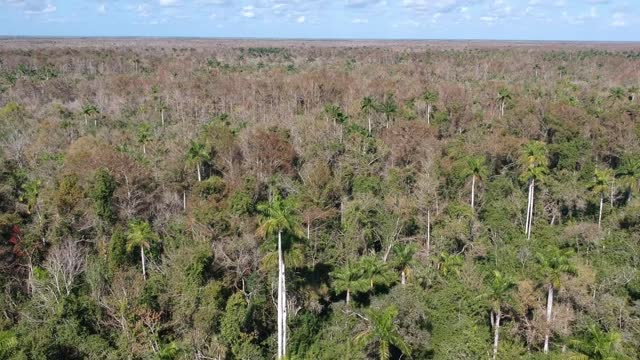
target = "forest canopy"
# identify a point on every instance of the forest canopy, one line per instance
(318, 201)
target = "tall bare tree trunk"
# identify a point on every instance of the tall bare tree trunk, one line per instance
(348, 296)
(280, 307)
(199, 175)
(526, 224)
(403, 278)
(495, 321)
(144, 266)
(549, 309)
(428, 232)
(429, 114)
(473, 191)
(184, 200)
(533, 189)
(162, 116)
(600, 212)
(369, 120)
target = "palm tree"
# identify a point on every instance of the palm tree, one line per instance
(429, 97)
(500, 291)
(162, 106)
(600, 185)
(368, 105)
(144, 135)
(90, 110)
(553, 265)
(477, 169)
(383, 331)
(196, 155)
(278, 216)
(403, 259)
(537, 68)
(141, 236)
(376, 271)
(504, 95)
(337, 115)
(599, 345)
(629, 174)
(388, 107)
(616, 94)
(450, 263)
(349, 279)
(533, 161)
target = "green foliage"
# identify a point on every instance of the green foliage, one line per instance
(104, 185)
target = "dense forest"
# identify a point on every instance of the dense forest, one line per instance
(233, 200)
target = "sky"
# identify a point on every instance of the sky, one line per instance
(598, 20)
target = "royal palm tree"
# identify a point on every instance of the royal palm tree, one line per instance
(477, 169)
(600, 185)
(368, 105)
(504, 95)
(381, 330)
(90, 110)
(141, 236)
(376, 271)
(350, 279)
(278, 216)
(162, 106)
(196, 155)
(533, 161)
(389, 108)
(500, 293)
(553, 264)
(599, 345)
(144, 135)
(629, 174)
(335, 113)
(403, 260)
(429, 97)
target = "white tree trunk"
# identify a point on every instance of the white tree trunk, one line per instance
(284, 312)
(144, 266)
(549, 309)
(429, 114)
(600, 212)
(526, 224)
(496, 332)
(369, 120)
(502, 109)
(533, 190)
(403, 278)
(162, 116)
(144, 149)
(184, 200)
(348, 296)
(280, 295)
(473, 191)
(199, 175)
(428, 232)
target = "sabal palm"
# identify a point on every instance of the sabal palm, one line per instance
(144, 135)
(553, 264)
(140, 235)
(196, 155)
(599, 345)
(429, 97)
(368, 105)
(383, 331)
(403, 260)
(478, 170)
(278, 216)
(350, 279)
(600, 185)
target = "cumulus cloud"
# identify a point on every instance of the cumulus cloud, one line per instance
(248, 11)
(300, 19)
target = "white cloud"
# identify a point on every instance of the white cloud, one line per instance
(618, 20)
(102, 9)
(248, 11)
(360, 21)
(300, 19)
(168, 2)
(47, 9)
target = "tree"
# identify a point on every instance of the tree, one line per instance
(350, 279)
(388, 107)
(600, 185)
(144, 135)
(629, 174)
(553, 264)
(504, 95)
(90, 110)
(429, 97)
(162, 106)
(376, 271)
(368, 105)
(533, 161)
(600, 345)
(337, 115)
(477, 169)
(104, 185)
(616, 94)
(403, 259)
(383, 331)
(196, 155)
(30, 192)
(500, 293)
(141, 236)
(278, 216)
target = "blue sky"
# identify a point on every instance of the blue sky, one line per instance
(424, 19)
